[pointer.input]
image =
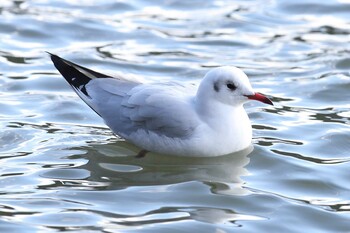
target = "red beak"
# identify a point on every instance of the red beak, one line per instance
(260, 97)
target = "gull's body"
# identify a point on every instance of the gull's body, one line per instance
(169, 118)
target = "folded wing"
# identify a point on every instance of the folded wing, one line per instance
(130, 107)
(164, 110)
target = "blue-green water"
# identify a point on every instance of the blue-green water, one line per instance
(63, 170)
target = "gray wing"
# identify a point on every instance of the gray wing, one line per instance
(86, 82)
(163, 109)
(128, 106)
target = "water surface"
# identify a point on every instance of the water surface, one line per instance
(63, 170)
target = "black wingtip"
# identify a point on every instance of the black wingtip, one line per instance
(70, 71)
(51, 54)
(77, 76)
(56, 59)
(63, 63)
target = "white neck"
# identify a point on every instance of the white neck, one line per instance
(229, 124)
(213, 111)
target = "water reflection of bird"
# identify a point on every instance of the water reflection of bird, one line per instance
(169, 118)
(222, 174)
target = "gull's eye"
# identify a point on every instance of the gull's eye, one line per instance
(231, 86)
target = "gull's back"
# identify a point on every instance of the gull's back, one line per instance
(140, 113)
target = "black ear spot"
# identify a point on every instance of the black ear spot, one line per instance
(216, 86)
(231, 86)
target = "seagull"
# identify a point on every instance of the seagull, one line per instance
(168, 117)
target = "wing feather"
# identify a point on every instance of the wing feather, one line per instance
(166, 111)
(128, 106)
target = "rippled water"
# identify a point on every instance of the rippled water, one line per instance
(62, 169)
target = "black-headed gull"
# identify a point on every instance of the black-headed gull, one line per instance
(168, 118)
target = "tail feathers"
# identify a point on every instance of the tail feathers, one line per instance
(77, 76)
